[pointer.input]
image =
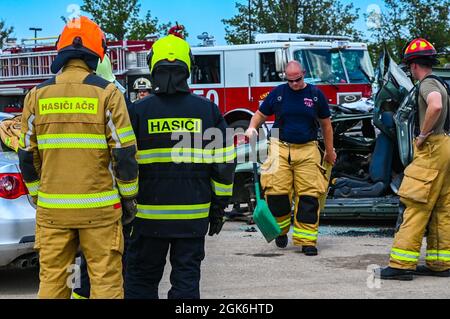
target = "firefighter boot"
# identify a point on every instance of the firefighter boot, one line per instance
(282, 241)
(425, 271)
(394, 274)
(310, 251)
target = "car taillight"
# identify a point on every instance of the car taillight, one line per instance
(12, 186)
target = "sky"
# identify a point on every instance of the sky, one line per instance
(197, 15)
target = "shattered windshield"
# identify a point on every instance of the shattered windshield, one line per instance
(336, 67)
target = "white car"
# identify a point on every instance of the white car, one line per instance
(17, 213)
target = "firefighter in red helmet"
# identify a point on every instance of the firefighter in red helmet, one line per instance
(425, 190)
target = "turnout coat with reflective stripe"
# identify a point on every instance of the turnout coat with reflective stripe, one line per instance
(183, 169)
(77, 149)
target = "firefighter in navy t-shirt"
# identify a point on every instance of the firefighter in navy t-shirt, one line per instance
(293, 171)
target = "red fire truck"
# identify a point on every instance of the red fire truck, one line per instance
(236, 77)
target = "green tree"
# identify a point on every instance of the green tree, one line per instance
(120, 19)
(5, 32)
(115, 17)
(140, 28)
(404, 20)
(324, 17)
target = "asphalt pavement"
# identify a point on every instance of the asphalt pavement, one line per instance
(240, 264)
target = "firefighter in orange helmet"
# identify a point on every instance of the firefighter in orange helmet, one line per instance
(77, 155)
(425, 191)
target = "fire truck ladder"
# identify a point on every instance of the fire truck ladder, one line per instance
(36, 65)
(26, 66)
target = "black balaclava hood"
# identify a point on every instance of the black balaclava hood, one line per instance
(170, 78)
(65, 56)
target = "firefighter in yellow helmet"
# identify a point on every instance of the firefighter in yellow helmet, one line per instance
(425, 191)
(77, 156)
(183, 189)
(143, 87)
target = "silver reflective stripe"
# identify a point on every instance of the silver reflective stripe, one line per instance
(113, 129)
(78, 201)
(30, 131)
(173, 212)
(81, 201)
(72, 140)
(438, 255)
(126, 134)
(33, 188)
(110, 168)
(305, 234)
(396, 254)
(175, 155)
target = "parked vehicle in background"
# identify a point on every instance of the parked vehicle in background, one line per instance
(17, 213)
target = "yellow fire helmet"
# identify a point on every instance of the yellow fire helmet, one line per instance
(171, 49)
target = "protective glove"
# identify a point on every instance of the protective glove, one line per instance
(216, 220)
(129, 211)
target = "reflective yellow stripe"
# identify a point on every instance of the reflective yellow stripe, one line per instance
(285, 224)
(306, 234)
(72, 141)
(130, 189)
(68, 105)
(77, 296)
(174, 125)
(185, 155)
(33, 188)
(435, 255)
(222, 189)
(22, 140)
(126, 134)
(405, 255)
(173, 212)
(224, 155)
(78, 201)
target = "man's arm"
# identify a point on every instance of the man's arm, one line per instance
(327, 131)
(29, 158)
(257, 120)
(122, 142)
(434, 109)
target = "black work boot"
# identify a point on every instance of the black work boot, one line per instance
(394, 274)
(282, 241)
(425, 271)
(310, 250)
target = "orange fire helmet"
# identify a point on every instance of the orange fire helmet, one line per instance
(83, 34)
(419, 49)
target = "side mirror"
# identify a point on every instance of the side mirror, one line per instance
(280, 60)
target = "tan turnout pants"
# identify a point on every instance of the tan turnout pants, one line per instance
(425, 192)
(103, 249)
(293, 174)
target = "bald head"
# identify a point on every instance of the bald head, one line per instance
(295, 75)
(294, 67)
